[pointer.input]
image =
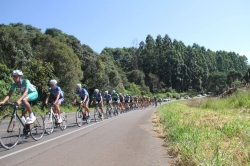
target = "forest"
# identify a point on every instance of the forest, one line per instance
(154, 66)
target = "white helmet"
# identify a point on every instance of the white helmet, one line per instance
(106, 92)
(52, 82)
(17, 73)
(78, 86)
(96, 90)
(113, 91)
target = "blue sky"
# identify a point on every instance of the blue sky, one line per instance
(214, 24)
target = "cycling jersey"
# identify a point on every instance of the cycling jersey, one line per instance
(121, 99)
(131, 98)
(55, 91)
(82, 93)
(127, 98)
(97, 97)
(114, 96)
(108, 97)
(25, 84)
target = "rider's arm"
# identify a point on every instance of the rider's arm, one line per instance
(7, 97)
(47, 98)
(100, 99)
(85, 98)
(57, 96)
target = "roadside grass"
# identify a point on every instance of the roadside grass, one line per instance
(207, 131)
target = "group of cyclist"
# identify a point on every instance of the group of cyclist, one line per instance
(114, 99)
(29, 94)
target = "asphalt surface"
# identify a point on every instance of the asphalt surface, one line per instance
(125, 140)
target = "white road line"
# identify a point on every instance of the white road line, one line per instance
(19, 151)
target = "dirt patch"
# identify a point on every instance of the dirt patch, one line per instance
(197, 102)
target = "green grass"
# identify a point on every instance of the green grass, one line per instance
(215, 133)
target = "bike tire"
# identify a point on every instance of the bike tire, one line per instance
(97, 115)
(63, 125)
(9, 139)
(37, 128)
(79, 117)
(48, 123)
(107, 113)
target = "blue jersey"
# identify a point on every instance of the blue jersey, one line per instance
(97, 97)
(55, 91)
(121, 98)
(108, 97)
(82, 93)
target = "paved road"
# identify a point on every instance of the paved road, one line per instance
(127, 139)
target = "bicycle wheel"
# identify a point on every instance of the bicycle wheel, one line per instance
(79, 117)
(115, 111)
(63, 125)
(97, 115)
(48, 123)
(107, 113)
(37, 128)
(10, 131)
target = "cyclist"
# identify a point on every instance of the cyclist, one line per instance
(121, 98)
(127, 101)
(29, 93)
(97, 97)
(136, 101)
(155, 100)
(115, 98)
(108, 98)
(131, 101)
(84, 95)
(57, 95)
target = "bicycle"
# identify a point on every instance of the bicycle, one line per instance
(50, 119)
(97, 113)
(127, 107)
(109, 111)
(10, 127)
(116, 108)
(80, 117)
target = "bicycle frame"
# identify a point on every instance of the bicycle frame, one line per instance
(11, 128)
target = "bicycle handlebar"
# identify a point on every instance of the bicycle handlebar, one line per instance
(9, 103)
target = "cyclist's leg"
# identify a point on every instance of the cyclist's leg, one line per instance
(101, 108)
(30, 97)
(58, 111)
(86, 106)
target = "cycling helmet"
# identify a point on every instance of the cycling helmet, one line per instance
(52, 82)
(106, 92)
(96, 90)
(17, 73)
(120, 94)
(113, 91)
(79, 86)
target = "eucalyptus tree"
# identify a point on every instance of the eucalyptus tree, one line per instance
(216, 83)
(149, 59)
(233, 76)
